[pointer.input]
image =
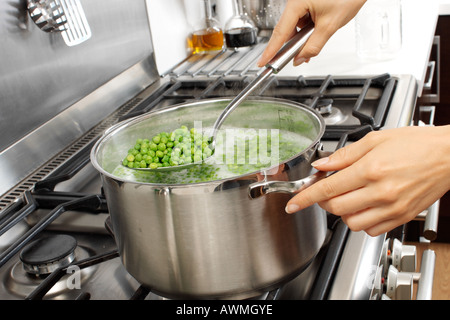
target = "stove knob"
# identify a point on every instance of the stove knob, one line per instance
(399, 285)
(403, 256)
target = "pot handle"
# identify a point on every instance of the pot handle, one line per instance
(258, 189)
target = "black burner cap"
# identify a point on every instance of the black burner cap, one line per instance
(48, 249)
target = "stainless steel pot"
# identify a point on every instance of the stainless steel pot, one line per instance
(210, 239)
(265, 13)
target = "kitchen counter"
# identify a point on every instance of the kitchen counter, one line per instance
(444, 7)
(339, 57)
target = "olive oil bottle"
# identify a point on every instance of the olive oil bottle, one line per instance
(207, 36)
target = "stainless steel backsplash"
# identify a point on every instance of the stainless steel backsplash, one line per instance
(42, 78)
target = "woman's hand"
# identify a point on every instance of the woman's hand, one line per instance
(328, 16)
(383, 180)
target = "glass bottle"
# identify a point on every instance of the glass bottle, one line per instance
(208, 36)
(378, 28)
(240, 31)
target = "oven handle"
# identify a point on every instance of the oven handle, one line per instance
(425, 283)
(430, 217)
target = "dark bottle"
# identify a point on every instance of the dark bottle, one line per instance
(240, 31)
(240, 37)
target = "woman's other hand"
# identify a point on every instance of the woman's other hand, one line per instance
(384, 179)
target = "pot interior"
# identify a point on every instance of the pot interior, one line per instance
(302, 125)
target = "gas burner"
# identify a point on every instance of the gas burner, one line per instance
(333, 116)
(43, 256)
(330, 114)
(40, 257)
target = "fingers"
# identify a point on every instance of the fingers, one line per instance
(333, 186)
(375, 221)
(283, 30)
(313, 46)
(349, 154)
(348, 178)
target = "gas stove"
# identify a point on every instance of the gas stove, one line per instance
(56, 241)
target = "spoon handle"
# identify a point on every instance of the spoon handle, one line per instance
(291, 48)
(278, 62)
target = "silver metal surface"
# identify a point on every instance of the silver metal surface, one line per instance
(399, 285)
(77, 28)
(171, 239)
(48, 15)
(425, 285)
(357, 270)
(52, 94)
(403, 103)
(259, 189)
(265, 13)
(105, 281)
(430, 216)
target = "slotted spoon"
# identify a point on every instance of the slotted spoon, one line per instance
(286, 54)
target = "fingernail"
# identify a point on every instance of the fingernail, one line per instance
(291, 208)
(320, 162)
(299, 61)
(259, 63)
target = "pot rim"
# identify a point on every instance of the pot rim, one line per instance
(120, 125)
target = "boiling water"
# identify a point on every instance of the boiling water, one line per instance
(238, 152)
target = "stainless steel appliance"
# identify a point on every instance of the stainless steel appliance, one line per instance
(56, 237)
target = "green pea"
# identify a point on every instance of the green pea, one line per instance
(179, 146)
(197, 158)
(153, 165)
(153, 146)
(156, 139)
